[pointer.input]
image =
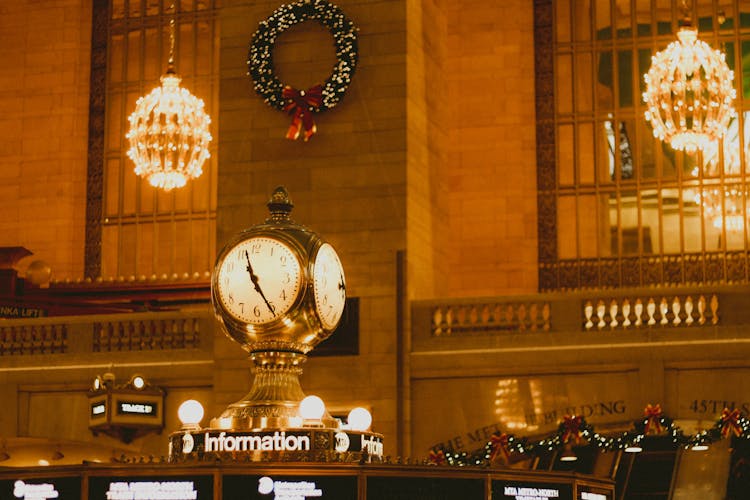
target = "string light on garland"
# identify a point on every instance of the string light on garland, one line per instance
(689, 92)
(301, 105)
(501, 447)
(169, 131)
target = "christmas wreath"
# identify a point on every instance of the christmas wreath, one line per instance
(301, 104)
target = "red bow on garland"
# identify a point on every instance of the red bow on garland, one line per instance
(437, 457)
(572, 425)
(730, 423)
(653, 419)
(298, 107)
(499, 447)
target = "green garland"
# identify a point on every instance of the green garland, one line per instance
(727, 425)
(260, 59)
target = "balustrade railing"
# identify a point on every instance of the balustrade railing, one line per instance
(620, 310)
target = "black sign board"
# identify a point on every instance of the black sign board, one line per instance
(424, 488)
(41, 489)
(146, 487)
(526, 490)
(277, 487)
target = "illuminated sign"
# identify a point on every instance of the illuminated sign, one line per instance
(289, 487)
(133, 408)
(502, 490)
(41, 491)
(278, 441)
(587, 495)
(61, 488)
(151, 488)
(593, 493)
(98, 409)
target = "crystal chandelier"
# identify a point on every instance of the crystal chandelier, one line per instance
(689, 92)
(169, 133)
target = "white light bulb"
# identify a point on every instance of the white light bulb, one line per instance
(359, 419)
(190, 413)
(312, 408)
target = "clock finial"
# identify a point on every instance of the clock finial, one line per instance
(280, 205)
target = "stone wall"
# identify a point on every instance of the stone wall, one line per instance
(44, 92)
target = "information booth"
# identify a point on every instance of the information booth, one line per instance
(295, 482)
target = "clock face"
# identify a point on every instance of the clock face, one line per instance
(329, 286)
(258, 280)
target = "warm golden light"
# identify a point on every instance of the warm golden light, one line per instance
(689, 93)
(169, 135)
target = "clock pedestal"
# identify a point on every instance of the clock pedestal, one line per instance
(273, 400)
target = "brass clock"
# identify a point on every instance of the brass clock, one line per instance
(277, 286)
(259, 279)
(329, 287)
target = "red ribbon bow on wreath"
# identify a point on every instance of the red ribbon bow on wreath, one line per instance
(730, 423)
(499, 447)
(653, 419)
(437, 457)
(298, 107)
(572, 426)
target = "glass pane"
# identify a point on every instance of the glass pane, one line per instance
(663, 16)
(629, 234)
(129, 181)
(203, 49)
(744, 15)
(152, 7)
(625, 144)
(582, 20)
(146, 250)
(622, 18)
(565, 159)
(650, 221)
(584, 86)
(185, 53)
(644, 64)
(603, 21)
(625, 77)
(134, 56)
(135, 8)
(116, 58)
(585, 149)
(115, 134)
(605, 85)
(152, 68)
(109, 251)
(726, 13)
(643, 17)
(566, 227)
(111, 193)
(165, 239)
(118, 9)
(647, 148)
(128, 250)
(588, 224)
(693, 229)
(670, 217)
(745, 77)
(186, 5)
(146, 197)
(562, 18)
(564, 90)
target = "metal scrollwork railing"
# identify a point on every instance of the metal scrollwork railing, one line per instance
(146, 334)
(33, 339)
(626, 313)
(450, 319)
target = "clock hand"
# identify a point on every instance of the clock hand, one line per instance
(256, 284)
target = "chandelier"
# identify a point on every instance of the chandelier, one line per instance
(689, 92)
(169, 133)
